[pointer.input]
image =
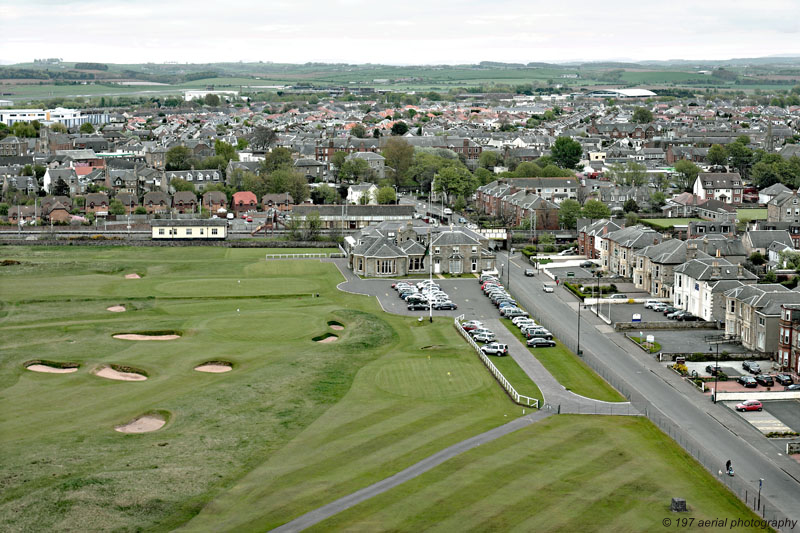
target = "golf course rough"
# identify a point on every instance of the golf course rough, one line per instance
(299, 426)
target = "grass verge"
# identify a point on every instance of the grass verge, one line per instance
(571, 371)
(521, 382)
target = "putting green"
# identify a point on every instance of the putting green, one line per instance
(433, 379)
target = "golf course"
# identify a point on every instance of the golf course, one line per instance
(207, 389)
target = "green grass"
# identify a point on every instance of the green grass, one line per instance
(566, 473)
(667, 222)
(521, 382)
(294, 425)
(746, 215)
(570, 370)
(655, 348)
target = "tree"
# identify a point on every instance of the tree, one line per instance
(313, 225)
(179, 158)
(399, 128)
(399, 156)
(325, 194)
(657, 200)
(262, 137)
(61, 188)
(180, 184)
(278, 158)
(717, 155)
(376, 133)
(642, 115)
(741, 156)
(338, 159)
(359, 131)
(39, 171)
(757, 259)
(527, 169)
(116, 207)
(250, 181)
(355, 170)
(386, 195)
(628, 173)
(686, 174)
(27, 170)
(86, 128)
(211, 100)
(488, 159)
(223, 149)
(57, 127)
(140, 210)
(568, 212)
(455, 181)
(241, 143)
(484, 175)
(631, 219)
(630, 206)
(566, 152)
(595, 209)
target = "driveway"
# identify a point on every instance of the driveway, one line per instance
(787, 411)
(764, 421)
(689, 341)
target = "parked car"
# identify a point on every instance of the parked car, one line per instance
(448, 305)
(619, 296)
(784, 379)
(749, 405)
(540, 342)
(419, 306)
(495, 348)
(513, 311)
(675, 314)
(588, 264)
(568, 251)
(687, 317)
(793, 387)
(747, 381)
(650, 303)
(660, 306)
(484, 337)
(520, 319)
(548, 288)
(479, 331)
(529, 272)
(471, 325)
(670, 309)
(765, 380)
(713, 370)
(752, 367)
(539, 334)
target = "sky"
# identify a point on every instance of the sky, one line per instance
(405, 32)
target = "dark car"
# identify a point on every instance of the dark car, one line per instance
(713, 370)
(752, 367)
(539, 342)
(445, 305)
(588, 264)
(418, 306)
(529, 272)
(670, 309)
(676, 315)
(765, 380)
(784, 379)
(686, 317)
(747, 381)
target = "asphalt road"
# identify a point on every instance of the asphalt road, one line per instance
(719, 432)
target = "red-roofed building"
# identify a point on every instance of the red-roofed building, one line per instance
(243, 202)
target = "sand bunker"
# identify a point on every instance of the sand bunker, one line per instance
(38, 367)
(140, 337)
(133, 276)
(143, 424)
(327, 337)
(214, 367)
(120, 375)
(336, 326)
(116, 308)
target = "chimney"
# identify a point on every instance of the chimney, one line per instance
(691, 251)
(740, 270)
(718, 254)
(705, 245)
(715, 270)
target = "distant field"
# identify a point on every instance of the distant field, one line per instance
(566, 473)
(746, 215)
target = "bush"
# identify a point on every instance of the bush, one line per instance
(681, 369)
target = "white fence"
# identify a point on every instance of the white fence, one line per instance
(517, 397)
(304, 256)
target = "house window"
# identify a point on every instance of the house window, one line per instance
(761, 321)
(474, 249)
(437, 250)
(201, 231)
(188, 231)
(386, 266)
(680, 279)
(474, 266)
(161, 231)
(732, 306)
(213, 231)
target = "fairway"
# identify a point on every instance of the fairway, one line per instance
(565, 473)
(137, 439)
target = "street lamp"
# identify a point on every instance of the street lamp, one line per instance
(760, 482)
(716, 373)
(579, 328)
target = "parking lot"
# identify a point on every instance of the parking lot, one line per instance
(787, 411)
(691, 341)
(625, 312)
(764, 421)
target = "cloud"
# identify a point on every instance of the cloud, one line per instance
(443, 31)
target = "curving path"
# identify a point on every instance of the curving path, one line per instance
(326, 511)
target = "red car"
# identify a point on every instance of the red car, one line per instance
(749, 405)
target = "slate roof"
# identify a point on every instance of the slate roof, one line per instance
(702, 269)
(763, 238)
(454, 238)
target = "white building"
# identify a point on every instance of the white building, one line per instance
(183, 229)
(69, 117)
(223, 95)
(355, 193)
(695, 288)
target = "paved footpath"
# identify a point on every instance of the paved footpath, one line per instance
(318, 515)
